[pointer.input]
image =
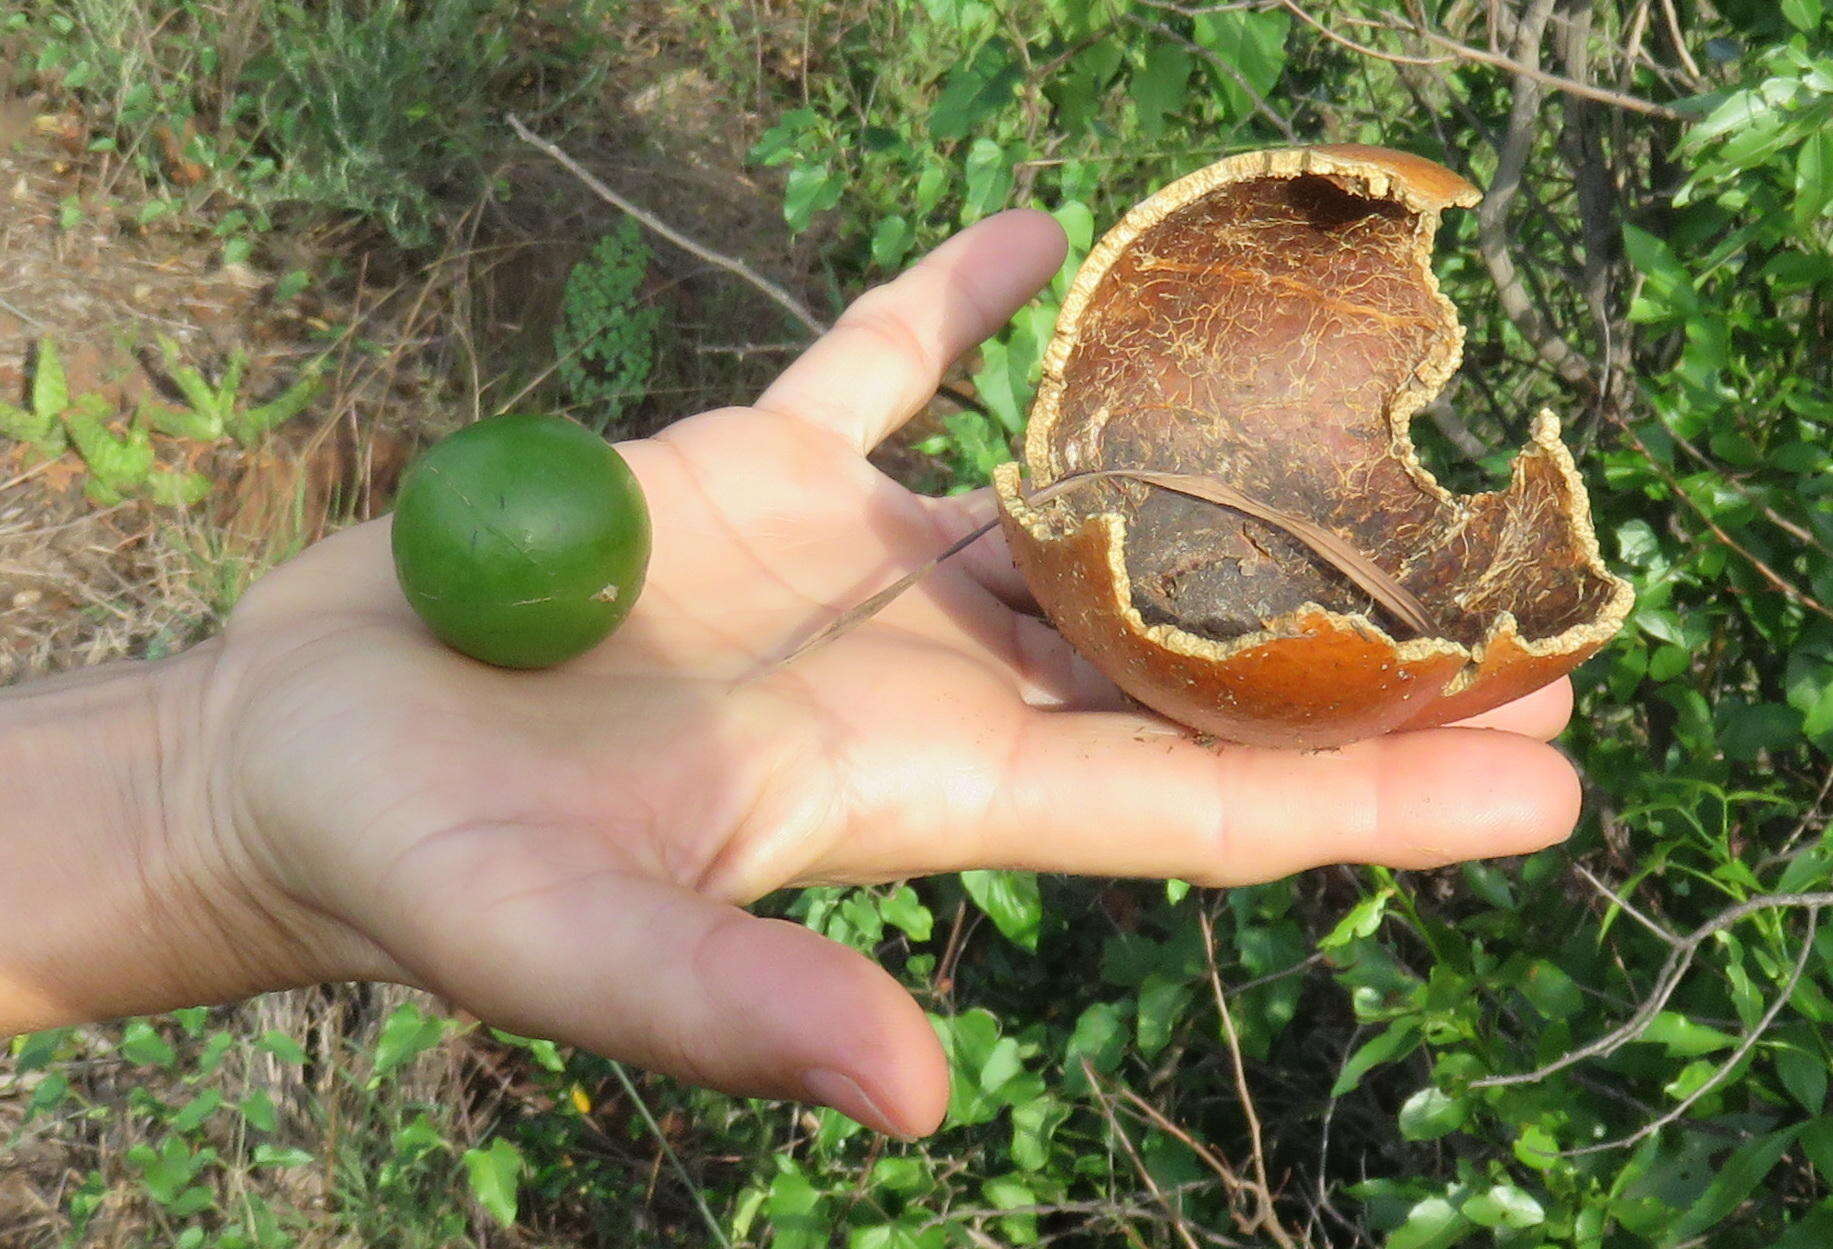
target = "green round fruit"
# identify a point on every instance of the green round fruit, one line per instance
(521, 540)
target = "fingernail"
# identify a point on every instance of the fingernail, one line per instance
(842, 1092)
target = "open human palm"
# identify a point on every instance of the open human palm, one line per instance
(566, 853)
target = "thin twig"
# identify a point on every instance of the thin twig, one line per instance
(1268, 1219)
(1627, 907)
(25, 316)
(642, 1107)
(1782, 585)
(1126, 1142)
(789, 303)
(1394, 57)
(1215, 1162)
(1718, 1077)
(1602, 95)
(1680, 41)
(1666, 981)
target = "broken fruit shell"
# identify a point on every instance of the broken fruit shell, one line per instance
(1272, 322)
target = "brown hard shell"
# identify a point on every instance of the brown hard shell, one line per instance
(1272, 321)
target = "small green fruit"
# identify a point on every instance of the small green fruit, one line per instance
(521, 540)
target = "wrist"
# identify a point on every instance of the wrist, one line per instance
(121, 890)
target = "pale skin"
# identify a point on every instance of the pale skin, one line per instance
(324, 792)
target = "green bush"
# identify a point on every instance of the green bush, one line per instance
(606, 338)
(389, 110)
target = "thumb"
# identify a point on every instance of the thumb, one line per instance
(640, 970)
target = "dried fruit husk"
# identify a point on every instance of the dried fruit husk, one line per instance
(1272, 322)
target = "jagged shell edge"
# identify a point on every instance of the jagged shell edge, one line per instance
(1008, 487)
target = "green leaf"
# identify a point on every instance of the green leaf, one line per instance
(973, 1045)
(1817, 1144)
(1162, 1003)
(143, 1046)
(891, 241)
(908, 1233)
(1431, 1113)
(168, 1170)
(812, 188)
(1078, 224)
(258, 1111)
(974, 90)
(902, 1174)
(1011, 900)
(407, 1033)
(122, 463)
(42, 432)
(930, 185)
(50, 390)
(34, 1051)
(1433, 1223)
(1398, 1040)
(989, 179)
(495, 1175)
(905, 910)
(1100, 1036)
(193, 1113)
(253, 425)
(1252, 44)
(1504, 1206)
(1804, 1075)
(1734, 1180)
(1034, 1123)
(1813, 181)
(795, 1210)
(788, 138)
(1551, 991)
(1747, 731)
(1489, 883)
(283, 1047)
(50, 1092)
(211, 1056)
(1160, 85)
(193, 1200)
(1683, 1038)
(1007, 1192)
(177, 489)
(1361, 921)
(1668, 290)
(1811, 1230)
(1804, 15)
(1668, 662)
(281, 1156)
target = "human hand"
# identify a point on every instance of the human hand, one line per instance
(565, 853)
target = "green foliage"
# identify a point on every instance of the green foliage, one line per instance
(606, 337)
(495, 1173)
(122, 462)
(385, 109)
